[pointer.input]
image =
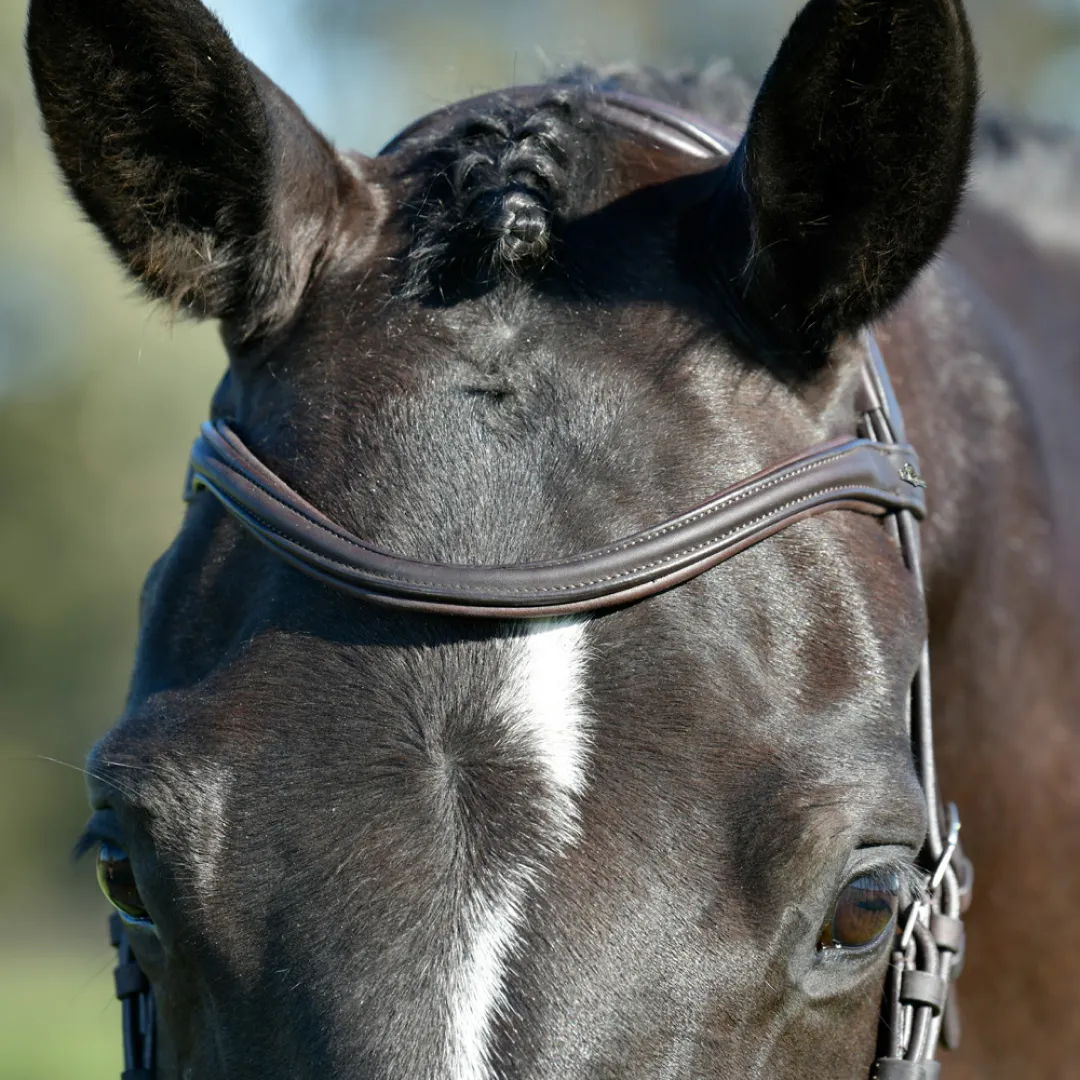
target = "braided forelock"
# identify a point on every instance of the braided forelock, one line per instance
(497, 189)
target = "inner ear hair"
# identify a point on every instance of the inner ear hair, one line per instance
(203, 176)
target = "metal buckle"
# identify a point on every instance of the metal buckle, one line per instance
(925, 903)
(920, 1010)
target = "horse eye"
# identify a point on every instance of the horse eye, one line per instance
(117, 881)
(864, 911)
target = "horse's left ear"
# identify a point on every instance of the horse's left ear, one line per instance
(849, 175)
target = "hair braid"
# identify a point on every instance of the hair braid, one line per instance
(499, 184)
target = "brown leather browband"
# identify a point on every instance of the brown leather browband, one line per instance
(854, 474)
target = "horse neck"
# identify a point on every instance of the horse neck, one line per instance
(986, 408)
(991, 410)
(990, 402)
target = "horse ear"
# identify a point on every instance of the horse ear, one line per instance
(849, 174)
(204, 177)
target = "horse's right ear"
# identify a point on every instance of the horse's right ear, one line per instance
(205, 178)
(849, 174)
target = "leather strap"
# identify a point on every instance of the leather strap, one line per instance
(665, 125)
(899, 1069)
(138, 1010)
(855, 474)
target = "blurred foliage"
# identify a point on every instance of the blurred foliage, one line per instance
(58, 1020)
(100, 395)
(98, 402)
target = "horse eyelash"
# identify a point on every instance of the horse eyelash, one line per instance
(912, 878)
(99, 830)
(88, 842)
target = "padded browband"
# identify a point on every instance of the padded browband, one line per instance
(856, 474)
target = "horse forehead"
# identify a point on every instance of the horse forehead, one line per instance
(459, 785)
(417, 702)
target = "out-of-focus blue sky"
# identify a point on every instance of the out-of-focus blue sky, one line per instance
(363, 70)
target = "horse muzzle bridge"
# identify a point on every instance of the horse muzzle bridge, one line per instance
(873, 472)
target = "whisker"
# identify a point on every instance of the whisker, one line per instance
(79, 769)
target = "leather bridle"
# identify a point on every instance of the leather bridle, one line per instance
(874, 472)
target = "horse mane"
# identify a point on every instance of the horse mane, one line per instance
(1030, 172)
(496, 188)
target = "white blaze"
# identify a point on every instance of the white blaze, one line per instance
(543, 700)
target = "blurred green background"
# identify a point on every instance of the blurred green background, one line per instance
(100, 396)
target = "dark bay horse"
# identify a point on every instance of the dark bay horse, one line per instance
(666, 841)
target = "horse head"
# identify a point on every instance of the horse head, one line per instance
(667, 839)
